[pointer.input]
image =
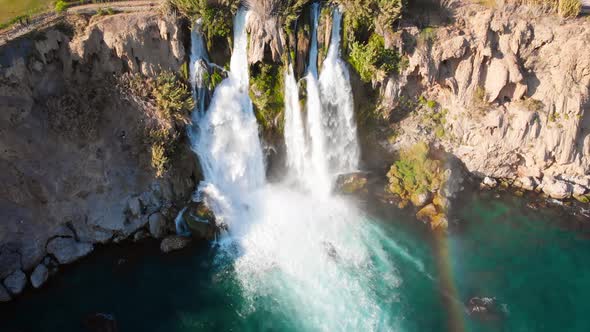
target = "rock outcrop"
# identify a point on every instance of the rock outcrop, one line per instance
(174, 242)
(76, 167)
(515, 88)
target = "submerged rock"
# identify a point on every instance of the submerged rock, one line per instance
(39, 275)
(100, 322)
(431, 215)
(174, 242)
(16, 282)
(67, 250)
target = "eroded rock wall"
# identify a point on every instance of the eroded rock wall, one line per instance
(516, 87)
(75, 166)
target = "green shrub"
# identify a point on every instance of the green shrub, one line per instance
(173, 97)
(415, 172)
(162, 144)
(61, 6)
(373, 60)
(266, 92)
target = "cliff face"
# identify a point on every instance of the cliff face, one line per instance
(515, 93)
(76, 168)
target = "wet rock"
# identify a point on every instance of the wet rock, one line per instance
(134, 206)
(9, 262)
(4, 295)
(157, 225)
(351, 183)
(485, 307)
(201, 220)
(100, 322)
(16, 282)
(556, 188)
(174, 242)
(39, 275)
(67, 250)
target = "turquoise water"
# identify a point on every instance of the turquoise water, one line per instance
(535, 263)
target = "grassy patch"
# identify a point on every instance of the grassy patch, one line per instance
(12, 10)
(415, 172)
(372, 60)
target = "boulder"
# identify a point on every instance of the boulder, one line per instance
(39, 275)
(351, 183)
(431, 215)
(527, 183)
(134, 206)
(489, 182)
(67, 250)
(556, 188)
(4, 295)
(157, 225)
(140, 235)
(16, 282)
(174, 242)
(201, 220)
(420, 200)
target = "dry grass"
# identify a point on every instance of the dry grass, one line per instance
(564, 8)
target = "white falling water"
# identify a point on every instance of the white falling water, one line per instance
(305, 256)
(317, 176)
(294, 133)
(199, 68)
(338, 107)
(226, 136)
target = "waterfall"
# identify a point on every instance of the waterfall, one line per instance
(294, 133)
(199, 62)
(225, 137)
(301, 254)
(338, 107)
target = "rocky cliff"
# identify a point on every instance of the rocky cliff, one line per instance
(505, 90)
(75, 166)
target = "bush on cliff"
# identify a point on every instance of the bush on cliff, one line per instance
(372, 60)
(415, 173)
(216, 15)
(266, 92)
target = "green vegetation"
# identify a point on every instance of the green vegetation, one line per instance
(266, 91)
(433, 117)
(415, 173)
(15, 11)
(168, 99)
(61, 6)
(173, 97)
(363, 16)
(372, 60)
(105, 11)
(217, 16)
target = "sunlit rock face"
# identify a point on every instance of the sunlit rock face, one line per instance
(516, 87)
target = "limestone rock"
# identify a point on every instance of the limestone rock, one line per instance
(527, 183)
(4, 295)
(16, 282)
(419, 200)
(556, 188)
(489, 182)
(174, 242)
(157, 225)
(67, 250)
(39, 275)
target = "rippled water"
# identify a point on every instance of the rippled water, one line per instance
(535, 263)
